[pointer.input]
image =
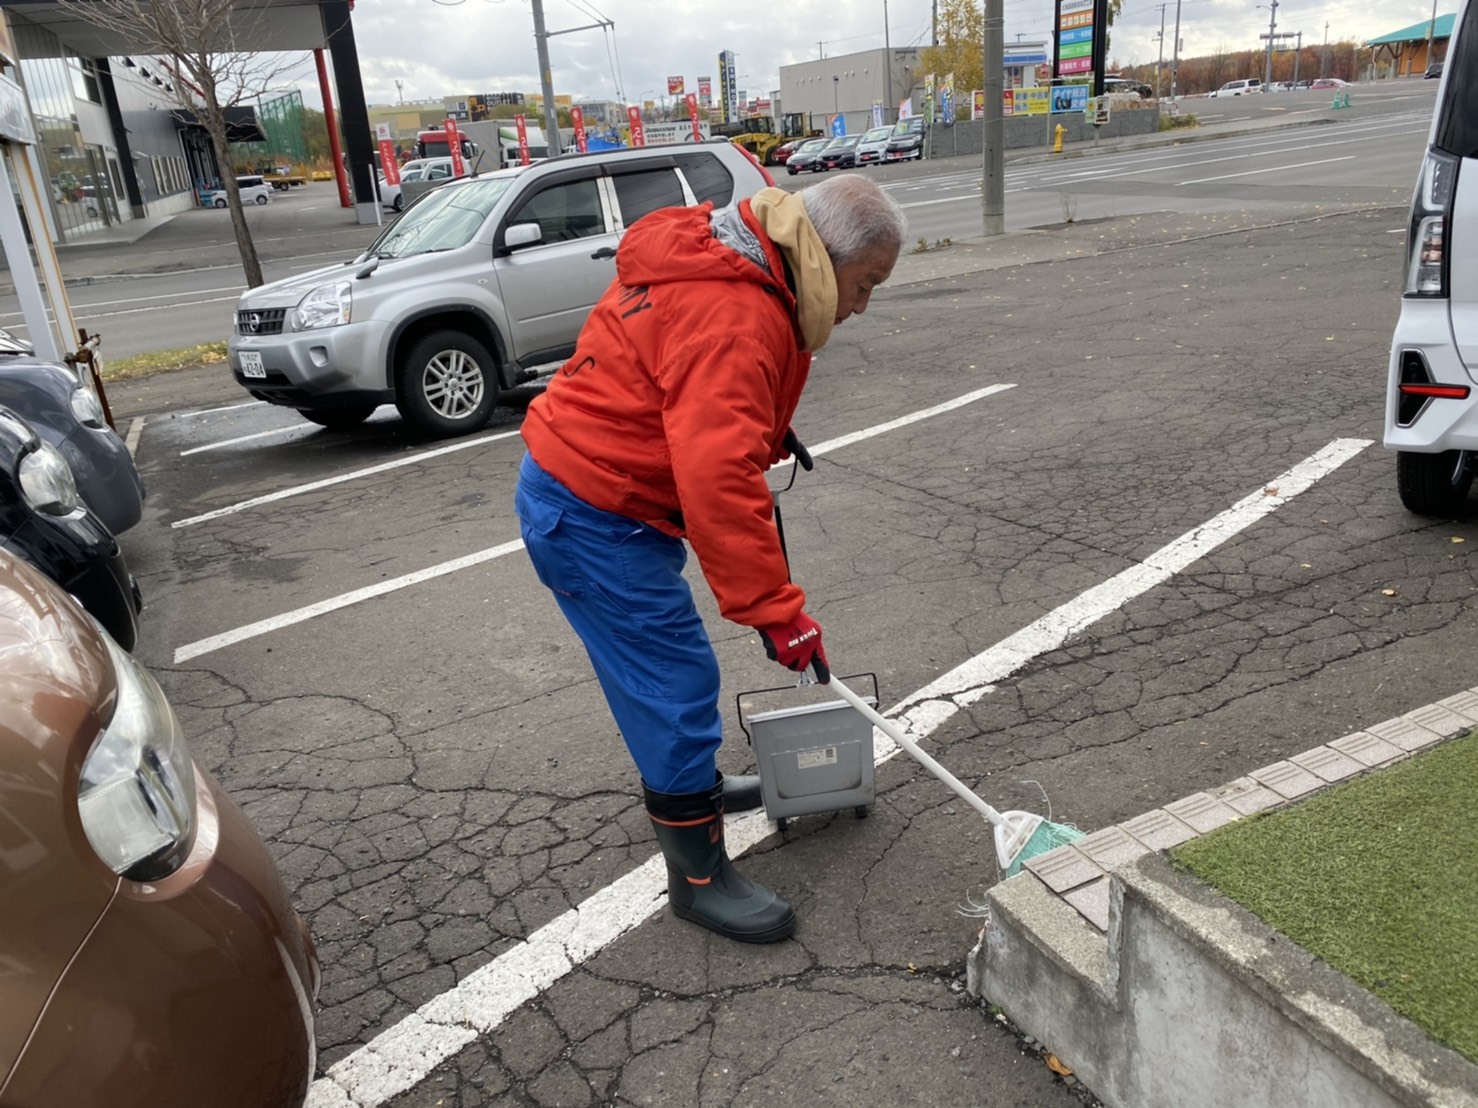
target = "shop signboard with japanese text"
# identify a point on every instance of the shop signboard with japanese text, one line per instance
(577, 120)
(1074, 37)
(692, 101)
(388, 165)
(674, 86)
(633, 117)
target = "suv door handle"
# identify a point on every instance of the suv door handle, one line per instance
(604, 252)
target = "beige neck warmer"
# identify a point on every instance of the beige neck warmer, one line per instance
(783, 217)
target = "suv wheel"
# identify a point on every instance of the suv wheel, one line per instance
(447, 384)
(1434, 484)
(261, 198)
(338, 419)
(399, 202)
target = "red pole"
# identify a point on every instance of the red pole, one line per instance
(333, 129)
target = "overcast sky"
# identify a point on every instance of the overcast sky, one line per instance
(435, 48)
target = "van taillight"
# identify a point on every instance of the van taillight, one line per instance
(1426, 273)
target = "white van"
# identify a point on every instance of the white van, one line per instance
(1238, 88)
(1432, 374)
(254, 190)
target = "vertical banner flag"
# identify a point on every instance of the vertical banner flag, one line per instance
(522, 126)
(454, 141)
(929, 115)
(977, 103)
(674, 86)
(577, 120)
(1074, 37)
(877, 113)
(388, 164)
(905, 108)
(838, 125)
(705, 90)
(947, 99)
(692, 99)
(638, 136)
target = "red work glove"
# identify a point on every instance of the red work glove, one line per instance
(796, 645)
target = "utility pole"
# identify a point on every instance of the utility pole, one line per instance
(1297, 53)
(1272, 31)
(934, 23)
(1175, 53)
(1160, 65)
(546, 81)
(888, 104)
(1431, 31)
(993, 126)
(1324, 61)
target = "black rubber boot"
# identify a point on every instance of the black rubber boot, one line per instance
(741, 792)
(702, 884)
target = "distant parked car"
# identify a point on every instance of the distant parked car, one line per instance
(152, 957)
(906, 141)
(1434, 70)
(806, 156)
(253, 189)
(781, 154)
(43, 520)
(1112, 83)
(1238, 88)
(66, 413)
(1330, 82)
(872, 145)
(840, 153)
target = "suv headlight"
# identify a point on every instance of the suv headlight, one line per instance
(1426, 268)
(325, 306)
(47, 482)
(137, 792)
(86, 407)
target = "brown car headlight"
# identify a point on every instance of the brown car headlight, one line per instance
(137, 793)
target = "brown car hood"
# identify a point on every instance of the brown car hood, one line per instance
(57, 689)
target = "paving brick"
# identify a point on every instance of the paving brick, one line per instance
(1112, 847)
(1366, 748)
(1327, 763)
(1159, 830)
(1247, 796)
(1405, 733)
(1287, 779)
(1202, 812)
(1464, 704)
(1443, 720)
(1092, 902)
(1064, 868)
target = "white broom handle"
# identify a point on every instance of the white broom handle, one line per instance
(896, 734)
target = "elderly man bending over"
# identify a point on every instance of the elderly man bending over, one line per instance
(660, 428)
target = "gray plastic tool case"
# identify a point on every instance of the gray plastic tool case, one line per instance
(812, 757)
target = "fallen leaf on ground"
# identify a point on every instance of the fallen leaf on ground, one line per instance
(1388, 592)
(1456, 538)
(1055, 1065)
(1271, 490)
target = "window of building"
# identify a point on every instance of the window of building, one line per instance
(84, 79)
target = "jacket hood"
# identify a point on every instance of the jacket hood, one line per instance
(673, 245)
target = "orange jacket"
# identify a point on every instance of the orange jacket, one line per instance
(680, 390)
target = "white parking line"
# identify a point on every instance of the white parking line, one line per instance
(314, 486)
(334, 603)
(409, 1051)
(1270, 169)
(292, 428)
(135, 432)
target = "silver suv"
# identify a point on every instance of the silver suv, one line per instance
(482, 284)
(1432, 374)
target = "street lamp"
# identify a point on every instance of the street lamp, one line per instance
(835, 84)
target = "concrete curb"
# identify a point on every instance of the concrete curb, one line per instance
(1157, 990)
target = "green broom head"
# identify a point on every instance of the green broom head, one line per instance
(1023, 835)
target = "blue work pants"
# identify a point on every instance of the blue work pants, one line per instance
(619, 584)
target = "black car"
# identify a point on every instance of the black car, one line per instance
(840, 153)
(806, 156)
(44, 521)
(907, 140)
(64, 411)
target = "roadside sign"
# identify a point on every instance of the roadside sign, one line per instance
(1099, 108)
(577, 120)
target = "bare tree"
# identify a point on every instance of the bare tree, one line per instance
(201, 42)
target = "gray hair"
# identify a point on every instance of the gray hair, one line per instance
(854, 218)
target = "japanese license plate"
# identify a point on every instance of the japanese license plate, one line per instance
(251, 364)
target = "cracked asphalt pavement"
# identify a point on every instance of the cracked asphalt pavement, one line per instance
(438, 778)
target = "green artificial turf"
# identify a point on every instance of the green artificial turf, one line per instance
(1378, 877)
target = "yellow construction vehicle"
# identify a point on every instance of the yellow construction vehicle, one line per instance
(756, 134)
